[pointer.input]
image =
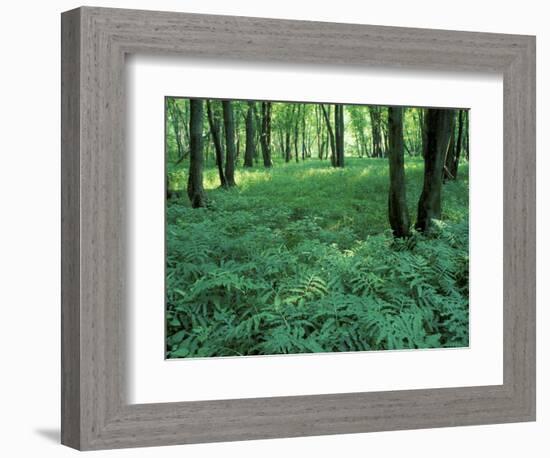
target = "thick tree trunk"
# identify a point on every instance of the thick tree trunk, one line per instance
(229, 123)
(216, 138)
(423, 129)
(195, 189)
(265, 137)
(397, 198)
(339, 134)
(332, 140)
(438, 125)
(250, 150)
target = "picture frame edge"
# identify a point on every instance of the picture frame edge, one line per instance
(94, 412)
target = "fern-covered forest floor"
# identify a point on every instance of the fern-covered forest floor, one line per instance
(299, 258)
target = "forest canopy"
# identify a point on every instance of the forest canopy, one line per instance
(306, 227)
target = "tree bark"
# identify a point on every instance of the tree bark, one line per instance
(250, 149)
(229, 123)
(423, 129)
(319, 131)
(265, 137)
(451, 153)
(458, 151)
(466, 136)
(376, 128)
(438, 123)
(195, 189)
(297, 132)
(332, 140)
(397, 198)
(304, 136)
(287, 146)
(339, 134)
(216, 138)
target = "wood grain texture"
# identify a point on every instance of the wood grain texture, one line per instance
(70, 229)
(95, 412)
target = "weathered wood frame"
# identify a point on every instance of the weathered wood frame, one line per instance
(95, 414)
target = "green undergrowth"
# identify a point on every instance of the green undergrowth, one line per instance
(299, 259)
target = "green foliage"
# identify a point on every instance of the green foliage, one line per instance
(299, 259)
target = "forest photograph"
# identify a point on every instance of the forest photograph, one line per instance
(314, 227)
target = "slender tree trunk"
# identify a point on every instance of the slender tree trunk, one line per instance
(331, 136)
(195, 189)
(179, 144)
(339, 134)
(175, 117)
(229, 123)
(451, 152)
(265, 137)
(375, 116)
(237, 130)
(397, 198)
(458, 151)
(319, 131)
(250, 150)
(287, 146)
(281, 142)
(385, 136)
(438, 124)
(216, 138)
(466, 136)
(297, 132)
(304, 139)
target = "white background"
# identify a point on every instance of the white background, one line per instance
(155, 380)
(29, 233)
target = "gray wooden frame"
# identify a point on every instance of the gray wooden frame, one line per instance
(95, 413)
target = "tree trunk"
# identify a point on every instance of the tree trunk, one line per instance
(375, 116)
(250, 150)
(466, 136)
(339, 134)
(423, 129)
(438, 125)
(287, 146)
(229, 123)
(216, 138)
(195, 189)
(331, 136)
(451, 152)
(265, 137)
(175, 117)
(319, 131)
(304, 139)
(397, 198)
(458, 151)
(297, 132)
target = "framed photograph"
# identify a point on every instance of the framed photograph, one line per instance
(277, 228)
